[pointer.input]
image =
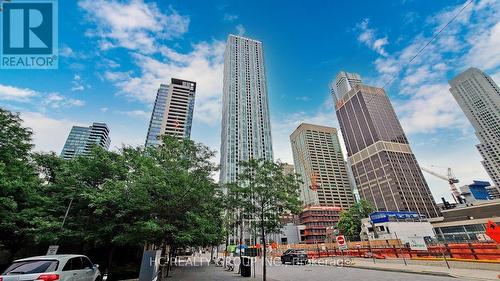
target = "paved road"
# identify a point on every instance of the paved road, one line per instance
(204, 273)
(299, 272)
(306, 272)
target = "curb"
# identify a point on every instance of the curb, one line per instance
(433, 273)
(456, 259)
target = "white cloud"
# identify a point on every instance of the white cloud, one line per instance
(77, 83)
(55, 101)
(133, 24)
(303, 98)
(485, 52)
(143, 28)
(369, 38)
(230, 17)
(66, 52)
(204, 65)
(11, 93)
(49, 134)
(429, 109)
(240, 29)
(283, 126)
(43, 100)
(110, 63)
(471, 40)
(137, 113)
(77, 88)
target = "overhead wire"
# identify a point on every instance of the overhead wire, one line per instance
(393, 76)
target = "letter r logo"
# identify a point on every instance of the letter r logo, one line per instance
(27, 28)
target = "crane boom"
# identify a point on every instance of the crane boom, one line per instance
(434, 173)
(450, 178)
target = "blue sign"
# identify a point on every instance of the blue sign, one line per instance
(378, 217)
(28, 34)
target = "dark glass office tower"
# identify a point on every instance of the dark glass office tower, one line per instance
(384, 167)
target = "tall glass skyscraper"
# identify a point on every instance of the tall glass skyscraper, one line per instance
(81, 140)
(343, 83)
(479, 97)
(246, 129)
(384, 167)
(173, 111)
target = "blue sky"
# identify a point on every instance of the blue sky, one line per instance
(114, 54)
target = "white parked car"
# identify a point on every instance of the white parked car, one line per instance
(52, 268)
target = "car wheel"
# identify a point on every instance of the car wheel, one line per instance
(283, 261)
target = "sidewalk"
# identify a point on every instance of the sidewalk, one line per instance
(475, 274)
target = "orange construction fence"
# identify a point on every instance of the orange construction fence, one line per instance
(395, 249)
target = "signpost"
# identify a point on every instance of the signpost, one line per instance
(342, 243)
(150, 265)
(52, 250)
(342, 246)
(417, 243)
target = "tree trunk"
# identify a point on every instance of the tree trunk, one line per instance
(263, 233)
(110, 258)
(169, 261)
(225, 252)
(241, 241)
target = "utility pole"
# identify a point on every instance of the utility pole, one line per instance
(67, 211)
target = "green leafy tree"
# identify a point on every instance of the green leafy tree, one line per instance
(350, 221)
(231, 218)
(268, 194)
(88, 189)
(18, 182)
(164, 197)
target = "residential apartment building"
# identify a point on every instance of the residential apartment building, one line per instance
(81, 140)
(246, 129)
(172, 112)
(319, 161)
(479, 97)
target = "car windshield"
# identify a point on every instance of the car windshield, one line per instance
(33, 266)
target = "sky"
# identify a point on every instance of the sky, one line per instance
(113, 55)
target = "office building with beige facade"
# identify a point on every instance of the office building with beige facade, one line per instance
(319, 161)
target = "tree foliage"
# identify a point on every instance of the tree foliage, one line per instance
(136, 196)
(350, 221)
(18, 181)
(268, 193)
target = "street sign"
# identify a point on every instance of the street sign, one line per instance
(341, 242)
(150, 265)
(417, 243)
(52, 250)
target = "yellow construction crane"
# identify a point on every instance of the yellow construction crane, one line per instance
(450, 178)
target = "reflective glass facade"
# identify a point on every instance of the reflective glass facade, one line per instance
(246, 130)
(173, 111)
(157, 116)
(81, 140)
